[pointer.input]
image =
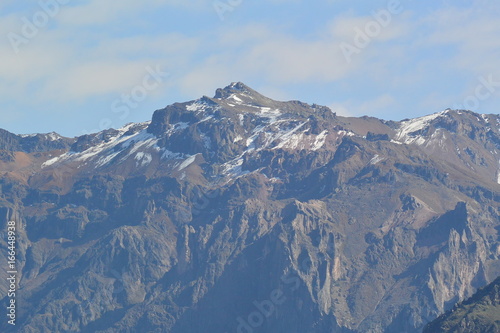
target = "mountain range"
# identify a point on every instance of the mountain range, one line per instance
(239, 213)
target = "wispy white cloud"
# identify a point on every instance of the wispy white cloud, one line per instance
(89, 50)
(473, 32)
(276, 57)
(103, 12)
(357, 108)
(64, 67)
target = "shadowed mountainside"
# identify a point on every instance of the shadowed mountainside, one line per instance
(479, 313)
(239, 213)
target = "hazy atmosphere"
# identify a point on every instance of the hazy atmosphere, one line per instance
(76, 67)
(236, 166)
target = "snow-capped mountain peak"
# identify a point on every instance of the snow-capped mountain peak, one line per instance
(238, 125)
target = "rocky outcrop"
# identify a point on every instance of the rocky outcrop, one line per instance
(33, 143)
(240, 213)
(479, 313)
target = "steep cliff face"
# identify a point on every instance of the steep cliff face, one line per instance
(479, 313)
(238, 213)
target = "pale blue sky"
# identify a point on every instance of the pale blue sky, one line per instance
(71, 73)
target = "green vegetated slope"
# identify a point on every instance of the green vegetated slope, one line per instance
(480, 313)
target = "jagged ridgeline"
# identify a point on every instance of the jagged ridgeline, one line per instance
(239, 213)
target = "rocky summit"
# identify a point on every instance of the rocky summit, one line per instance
(239, 213)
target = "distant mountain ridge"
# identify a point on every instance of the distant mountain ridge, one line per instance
(184, 223)
(33, 143)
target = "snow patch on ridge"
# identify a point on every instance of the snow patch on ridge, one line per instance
(376, 159)
(139, 146)
(269, 113)
(320, 140)
(405, 133)
(236, 98)
(107, 151)
(52, 136)
(143, 158)
(289, 139)
(187, 162)
(498, 173)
